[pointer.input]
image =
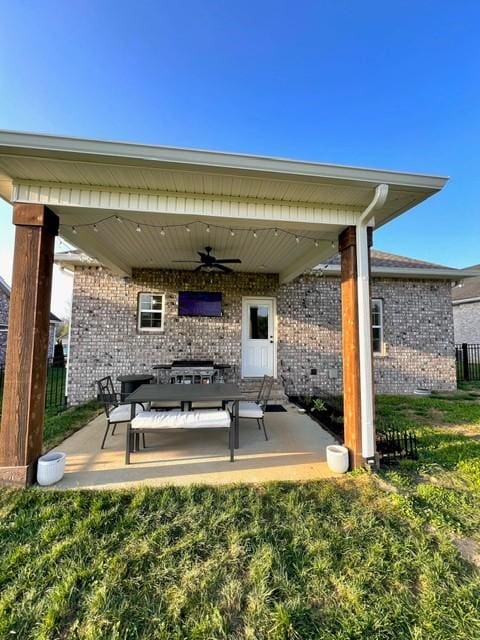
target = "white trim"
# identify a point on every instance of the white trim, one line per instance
(71, 148)
(465, 301)
(432, 273)
(273, 300)
(380, 326)
(107, 199)
(141, 329)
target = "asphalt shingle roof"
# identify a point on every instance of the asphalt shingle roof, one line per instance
(468, 288)
(383, 259)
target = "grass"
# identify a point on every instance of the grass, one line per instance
(331, 559)
(442, 487)
(336, 560)
(58, 426)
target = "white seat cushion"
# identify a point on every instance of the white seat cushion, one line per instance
(248, 409)
(123, 412)
(176, 419)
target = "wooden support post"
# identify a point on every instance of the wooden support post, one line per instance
(350, 346)
(23, 406)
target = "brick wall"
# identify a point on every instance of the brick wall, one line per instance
(466, 322)
(105, 341)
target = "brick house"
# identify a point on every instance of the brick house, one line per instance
(143, 212)
(4, 306)
(466, 309)
(412, 320)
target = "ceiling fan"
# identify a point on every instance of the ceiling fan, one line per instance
(209, 262)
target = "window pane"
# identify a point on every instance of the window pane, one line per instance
(149, 320)
(258, 323)
(377, 340)
(157, 302)
(145, 301)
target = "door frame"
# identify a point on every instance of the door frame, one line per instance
(273, 300)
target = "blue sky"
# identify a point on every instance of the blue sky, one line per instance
(379, 84)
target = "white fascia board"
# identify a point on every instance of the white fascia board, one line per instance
(465, 301)
(58, 147)
(397, 272)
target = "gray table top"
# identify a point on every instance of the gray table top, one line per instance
(186, 392)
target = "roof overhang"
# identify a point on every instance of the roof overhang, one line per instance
(89, 182)
(410, 273)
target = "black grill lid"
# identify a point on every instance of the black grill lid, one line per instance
(192, 363)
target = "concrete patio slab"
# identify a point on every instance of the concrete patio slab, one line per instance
(295, 451)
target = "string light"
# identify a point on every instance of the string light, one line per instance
(94, 226)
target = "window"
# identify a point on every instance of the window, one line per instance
(150, 311)
(377, 326)
(258, 322)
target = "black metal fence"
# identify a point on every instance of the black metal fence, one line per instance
(55, 398)
(468, 361)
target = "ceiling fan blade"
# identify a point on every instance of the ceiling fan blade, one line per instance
(198, 268)
(228, 260)
(222, 268)
(192, 261)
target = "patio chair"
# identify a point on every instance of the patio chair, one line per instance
(255, 410)
(115, 412)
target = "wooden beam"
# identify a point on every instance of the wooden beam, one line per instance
(23, 409)
(350, 346)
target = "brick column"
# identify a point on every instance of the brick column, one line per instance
(23, 409)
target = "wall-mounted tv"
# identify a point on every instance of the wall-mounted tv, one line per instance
(199, 303)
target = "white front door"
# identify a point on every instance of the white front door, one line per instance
(258, 337)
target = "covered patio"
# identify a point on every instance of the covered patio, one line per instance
(133, 207)
(295, 451)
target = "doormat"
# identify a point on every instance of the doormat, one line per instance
(275, 408)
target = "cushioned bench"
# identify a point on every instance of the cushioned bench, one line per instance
(177, 420)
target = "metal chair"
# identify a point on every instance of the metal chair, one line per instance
(255, 410)
(115, 412)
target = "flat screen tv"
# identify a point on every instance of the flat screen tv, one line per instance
(199, 303)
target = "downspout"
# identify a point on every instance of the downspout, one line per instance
(364, 323)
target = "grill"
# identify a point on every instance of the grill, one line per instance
(192, 372)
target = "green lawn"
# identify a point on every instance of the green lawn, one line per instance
(59, 426)
(337, 559)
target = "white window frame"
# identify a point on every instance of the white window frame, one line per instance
(141, 329)
(380, 326)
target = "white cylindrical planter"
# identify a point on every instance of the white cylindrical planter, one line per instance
(337, 458)
(50, 468)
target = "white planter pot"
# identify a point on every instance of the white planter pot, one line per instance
(337, 458)
(50, 468)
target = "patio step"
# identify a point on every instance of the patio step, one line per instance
(250, 387)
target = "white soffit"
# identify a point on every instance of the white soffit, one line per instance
(85, 181)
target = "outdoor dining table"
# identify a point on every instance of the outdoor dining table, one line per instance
(131, 382)
(185, 394)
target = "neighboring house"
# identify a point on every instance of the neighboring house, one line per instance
(412, 324)
(4, 306)
(466, 309)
